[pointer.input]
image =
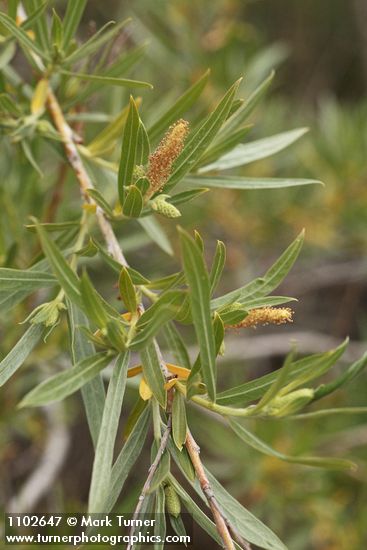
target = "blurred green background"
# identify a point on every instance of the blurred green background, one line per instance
(319, 51)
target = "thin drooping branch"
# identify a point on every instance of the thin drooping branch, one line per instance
(152, 470)
(114, 249)
(224, 526)
(82, 176)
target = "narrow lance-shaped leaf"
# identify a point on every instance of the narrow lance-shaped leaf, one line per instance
(93, 305)
(127, 458)
(199, 285)
(127, 291)
(160, 526)
(182, 104)
(315, 461)
(244, 183)
(133, 204)
(153, 373)
(237, 119)
(128, 150)
(67, 382)
(65, 275)
(102, 465)
(18, 279)
(179, 423)
(310, 366)
(200, 140)
(22, 37)
(73, 15)
(108, 80)
(16, 357)
(96, 41)
(36, 8)
(218, 265)
(264, 285)
(93, 392)
(152, 321)
(255, 150)
(354, 370)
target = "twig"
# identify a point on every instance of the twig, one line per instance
(222, 523)
(153, 468)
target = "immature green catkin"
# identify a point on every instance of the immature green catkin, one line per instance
(173, 504)
(160, 162)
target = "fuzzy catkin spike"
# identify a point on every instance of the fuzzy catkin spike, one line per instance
(160, 162)
(265, 316)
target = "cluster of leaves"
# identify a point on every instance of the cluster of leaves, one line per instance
(101, 334)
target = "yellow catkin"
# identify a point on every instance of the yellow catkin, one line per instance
(160, 162)
(265, 316)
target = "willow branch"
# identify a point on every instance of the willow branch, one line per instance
(152, 470)
(222, 523)
(114, 249)
(82, 176)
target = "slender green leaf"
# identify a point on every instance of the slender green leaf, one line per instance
(143, 146)
(152, 321)
(179, 423)
(102, 465)
(216, 151)
(153, 373)
(354, 370)
(186, 196)
(310, 366)
(160, 525)
(128, 150)
(16, 357)
(326, 412)
(238, 118)
(96, 41)
(244, 183)
(35, 18)
(67, 382)
(18, 279)
(182, 104)
(264, 285)
(200, 140)
(314, 461)
(127, 291)
(199, 286)
(22, 37)
(108, 80)
(133, 204)
(255, 150)
(163, 469)
(73, 15)
(93, 305)
(93, 392)
(127, 458)
(65, 275)
(218, 265)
